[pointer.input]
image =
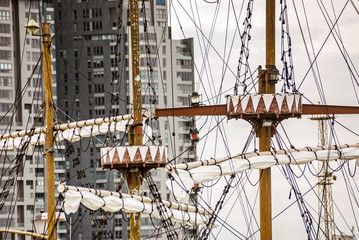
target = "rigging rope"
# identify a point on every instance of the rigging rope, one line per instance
(244, 53)
(209, 225)
(286, 47)
(162, 210)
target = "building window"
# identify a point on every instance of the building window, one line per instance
(5, 82)
(185, 88)
(161, 2)
(74, 14)
(99, 101)
(86, 13)
(86, 26)
(96, 25)
(98, 63)
(99, 88)
(4, 28)
(161, 13)
(161, 24)
(35, 56)
(50, 15)
(6, 41)
(185, 76)
(5, 3)
(183, 100)
(98, 51)
(184, 63)
(4, 15)
(5, 67)
(96, 12)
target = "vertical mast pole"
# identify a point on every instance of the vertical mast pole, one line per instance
(49, 141)
(265, 86)
(133, 178)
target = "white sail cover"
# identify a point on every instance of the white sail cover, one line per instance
(112, 203)
(183, 180)
(72, 135)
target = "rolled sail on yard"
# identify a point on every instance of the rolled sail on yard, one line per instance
(185, 176)
(73, 131)
(113, 201)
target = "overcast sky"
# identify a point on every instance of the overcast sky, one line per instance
(338, 88)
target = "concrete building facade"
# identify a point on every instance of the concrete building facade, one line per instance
(94, 80)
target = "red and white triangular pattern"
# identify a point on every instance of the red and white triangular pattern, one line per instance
(119, 155)
(264, 103)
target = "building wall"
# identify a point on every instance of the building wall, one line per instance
(88, 44)
(88, 86)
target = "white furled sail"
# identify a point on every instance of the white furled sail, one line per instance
(113, 201)
(186, 175)
(72, 132)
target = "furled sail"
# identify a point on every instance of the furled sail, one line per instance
(184, 176)
(115, 201)
(72, 131)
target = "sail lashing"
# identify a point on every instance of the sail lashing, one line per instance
(184, 176)
(72, 132)
(109, 201)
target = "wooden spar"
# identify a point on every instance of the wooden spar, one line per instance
(209, 162)
(36, 235)
(103, 193)
(135, 135)
(49, 131)
(193, 111)
(309, 109)
(71, 125)
(219, 110)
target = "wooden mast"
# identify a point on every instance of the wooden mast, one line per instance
(49, 133)
(265, 132)
(135, 138)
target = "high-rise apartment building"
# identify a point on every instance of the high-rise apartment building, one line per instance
(94, 80)
(21, 98)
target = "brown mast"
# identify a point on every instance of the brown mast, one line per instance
(49, 118)
(267, 86)
(135, 138)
